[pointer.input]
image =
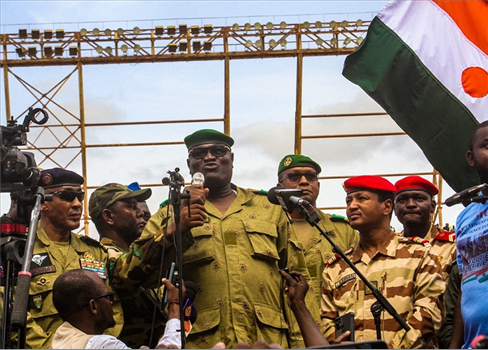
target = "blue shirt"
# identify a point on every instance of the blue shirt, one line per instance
(472, 258)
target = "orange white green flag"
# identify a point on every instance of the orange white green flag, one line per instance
(426, 63)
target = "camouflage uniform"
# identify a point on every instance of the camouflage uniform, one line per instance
(138, 306)
(320, 252)
(234, 259)
(47, 264)
(442, 244)
(406, 274)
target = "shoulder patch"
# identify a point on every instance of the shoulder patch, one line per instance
(446, 236)
(338, 218)
(415, 239)
(336, 257)
(164, 203)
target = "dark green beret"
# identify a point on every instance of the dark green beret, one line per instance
(296, 160)
(57, 177)
(207, 136)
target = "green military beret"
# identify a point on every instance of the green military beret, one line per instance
(207, 136)
(103, 197)
(296, 160)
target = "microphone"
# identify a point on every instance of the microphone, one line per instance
(198, 179)
(480, 342)
(464, 195)
(281, 196)
(190, 311)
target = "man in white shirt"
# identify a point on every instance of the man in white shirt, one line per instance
(85, 304)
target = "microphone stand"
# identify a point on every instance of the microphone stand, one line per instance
(175, 182)
(382, 303)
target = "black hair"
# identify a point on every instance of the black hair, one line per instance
(384, 196)
(473, 134)
(72, 290)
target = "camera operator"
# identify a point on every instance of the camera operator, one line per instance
(57, 250)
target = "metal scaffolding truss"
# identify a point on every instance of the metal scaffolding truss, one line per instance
(33, 48)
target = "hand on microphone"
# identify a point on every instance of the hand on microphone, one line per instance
(196, 214)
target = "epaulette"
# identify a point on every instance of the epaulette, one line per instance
(446, 236)
(90, 241)
(415, 239)
(164, 203)
(338, 218)
(336, 257)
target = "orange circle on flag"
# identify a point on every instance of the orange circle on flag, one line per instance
(475, 82)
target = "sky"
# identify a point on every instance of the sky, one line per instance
(262, 98)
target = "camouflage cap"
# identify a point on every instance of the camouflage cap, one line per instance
(207, 136)
(103, 197)
(296, 160)
(57, 177)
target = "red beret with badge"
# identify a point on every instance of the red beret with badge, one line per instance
(415, 182)
(368, 182)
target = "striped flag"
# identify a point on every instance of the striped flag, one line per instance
(426, 64)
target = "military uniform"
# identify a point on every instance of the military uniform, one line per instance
(406, 274)
(138, 306)
(319, 252)
(47, 264)
(234, 259)
(442, 245)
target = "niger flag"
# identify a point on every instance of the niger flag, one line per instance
(426, 63)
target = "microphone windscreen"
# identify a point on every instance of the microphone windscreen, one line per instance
(272, 196)
(198, 179)
(191, 290)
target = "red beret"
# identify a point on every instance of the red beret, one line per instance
(416, 183)
(368, 182)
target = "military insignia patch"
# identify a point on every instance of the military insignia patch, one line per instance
(368, 291)
(94, 265)
(47, 179)
(42, 264)
(88, 256)
(287, 161)
(37, 300)
(39, 258)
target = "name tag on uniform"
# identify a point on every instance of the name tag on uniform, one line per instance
(345, 279)
(94, 265)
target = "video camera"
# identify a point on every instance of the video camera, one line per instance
(18, 169)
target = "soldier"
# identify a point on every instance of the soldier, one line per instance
(301, 172)
(414, 206)
(57, 250)
(115, 212)
(402, 270)
(235, 242)
(141, 204)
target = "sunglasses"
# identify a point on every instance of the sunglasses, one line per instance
(200, 153)
(296, 177)
(110, 296)
(70, 196)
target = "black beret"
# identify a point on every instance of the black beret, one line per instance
(57, 177)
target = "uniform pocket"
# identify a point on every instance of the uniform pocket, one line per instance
(201, 251)
(270, 324)
(263, 237)
(204, 333)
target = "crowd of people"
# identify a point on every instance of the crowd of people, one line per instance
(265, 277)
